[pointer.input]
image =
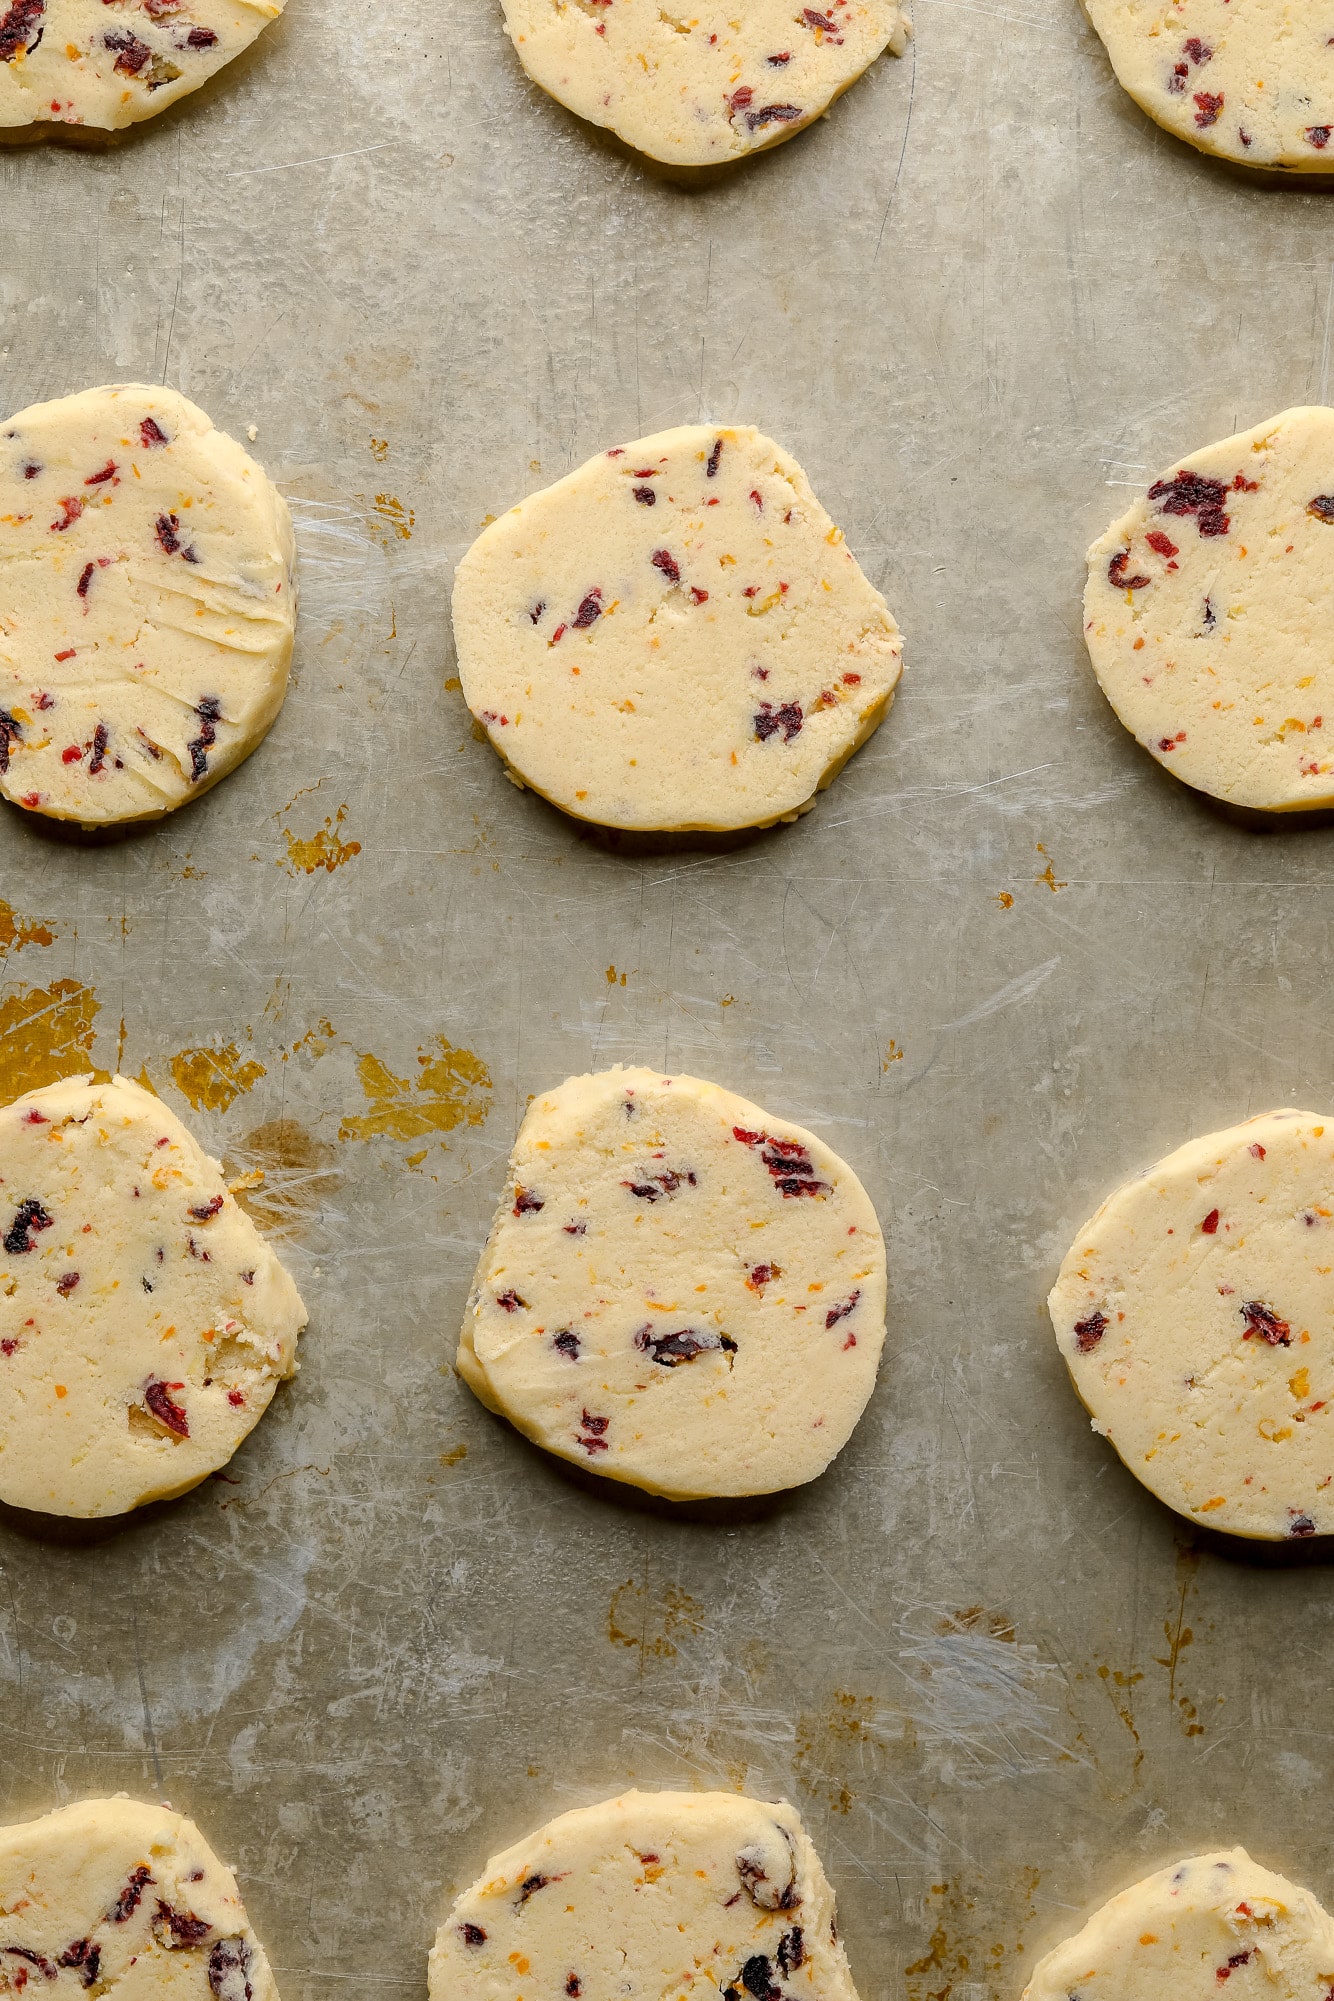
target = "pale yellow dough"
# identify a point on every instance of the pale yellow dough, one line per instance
(698, 1896)
(144, 1322)
(110, 63)
(679, 1290)
(147, 604)
(1248, 80)
(674, 636)
(1211, 1922)
(113, 1894)
(697, 89)
(1196, 1314)
(1209, 615)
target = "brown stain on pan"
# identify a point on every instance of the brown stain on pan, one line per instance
(16, 931)
(453, 1089)
(46, 1033)
(298, 1175)
(325, 849)
(213, 1079)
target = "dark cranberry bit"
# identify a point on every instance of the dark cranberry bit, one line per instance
(209, 713)
(31, 470)
(71, 508)
(778, 61)
(1318, 136)
(573, 1987)
(132, 54)
(109, 469)
(16, 32)
(791, 1950)
(1262, 1320)
(85, 1957)
(589, 612)
(837, 1313)
(664, 560)
(1162, 543)
(66, 1283)
(770, 720)
(183, 1927)
(576, 1229)
(204, 1212)
(472, 1935)
(97, 762)
(567, 1343)
(1322, 507)
(537, 611)
(89, 572)
(169, 532)
(151, 433)
(158, 1398)
(1210, 1223)
(1207, 108)
(37, 1959)
(530, 1885)
(593, 1439)
(717, 452)
(1301, 1525)
(10, 732)
(1116, 574)
(198, 38)
(790, 1166)
(1194, 493)
(757, 1977)
(670, 1350)
(645, 496)
(814, 20)
(1198, 51)
(29, 1216)
(1089, 1332)
(9, 1345)
(127, 1903)
(510, 1301)
(1176, 83)
(526, 1203)
(229, 1970)
(762, 1275)
(1235, 1960)
(772, 114)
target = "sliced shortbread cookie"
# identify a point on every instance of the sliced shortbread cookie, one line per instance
(146, 604)
(1210, 1922)
(1196, 1313)
(679, 1290)
(111, 63)
(674, 636)
(115, 1894)
(1209, 615)
(684, 1894)
(144, 1322)
(699, 89)
(1252, 83)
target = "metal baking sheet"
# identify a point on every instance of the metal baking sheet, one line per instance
(1005, 961)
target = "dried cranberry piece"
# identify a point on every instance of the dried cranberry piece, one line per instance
(97, 762)
(31, 469)
(791, 1950)
(757, 1977)
(169, 531)
(229, 1970)
(576, 1229)
(151, 433)
(37, 1959)
(714, 456)
(11, 731)
(132, 54)
(1318, 136)
(837, 1313)
(158, 1398)
(1301, 1525)
(589, 612)
(770, 720)
(645, 496)
(72, 507)
(16, 26)
(531, 1884)
(1188, 492)
(1262, 1320)
(670, 1350)
(573, 1987)
(510, 1301)
(1322, 507)
(108, 470)
(85, 1957)
(209, 712)
(1162, 543)
(127, 1903)
(567, 1343)
(772, 114)
(664, 560)
(66, 1283)
(1116, 574)
(183, 1927)
(526, 1203)
(1210, 1223)
(204, 1212)
(814, 20)
(1089, 1332)
(1208, 108)
(1198, 51)
(89, 572)
(29, 1216)
(790, 1166)
(198, 38)
(472, 1935)
(1235, 1960)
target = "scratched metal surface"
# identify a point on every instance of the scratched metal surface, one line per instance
(980, 302)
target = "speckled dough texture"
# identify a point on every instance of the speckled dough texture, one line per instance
(144, 1322)
(1199, 1925)
(649, 1895)
(700, 89)
(147, 604)
(1209, 616)
(1194, 1311)
(675, 636)
(110, 63)
(679, 1290)
(112, 1894)
(1249, 80)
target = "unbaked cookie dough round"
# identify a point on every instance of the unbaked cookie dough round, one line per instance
(702, 1895)
(1209, 616)
(1251, 83)
(146, 604)
(679, 1290)
(113, 1894)
(1199, 1925)
(675, 636)
(1196, 1314)
(111, 63)
(696, 90)
(144, 1322)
